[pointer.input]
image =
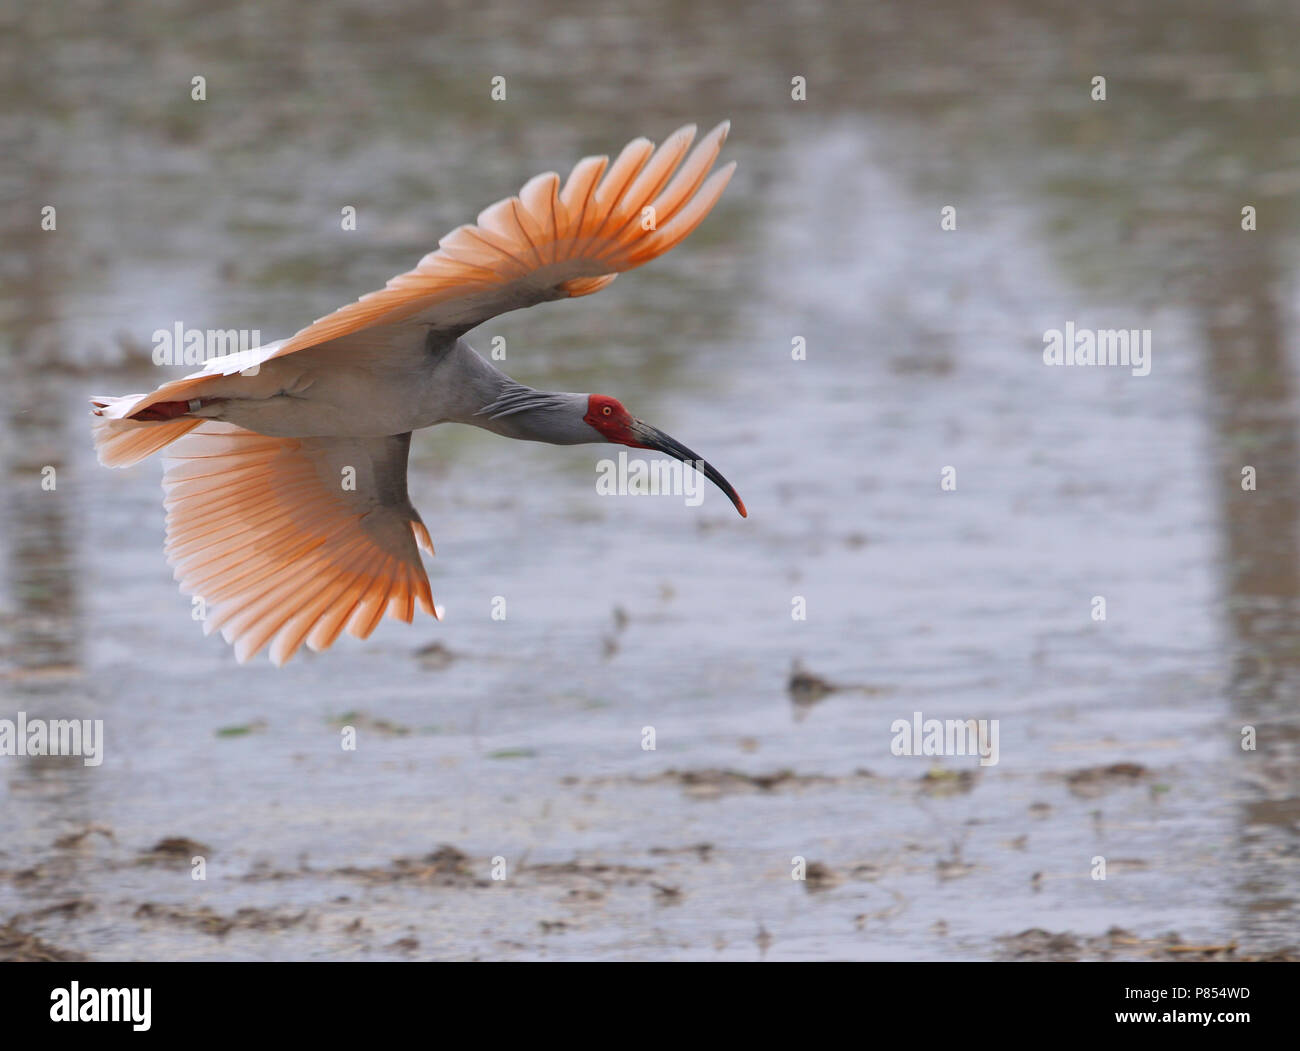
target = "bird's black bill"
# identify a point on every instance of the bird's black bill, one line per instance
(653, 438)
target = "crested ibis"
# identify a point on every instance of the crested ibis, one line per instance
(259, 521)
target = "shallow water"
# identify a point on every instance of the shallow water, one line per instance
(1118, 738)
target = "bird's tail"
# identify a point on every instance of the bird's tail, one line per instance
(121, 441)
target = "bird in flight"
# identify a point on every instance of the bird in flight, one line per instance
(285, 474)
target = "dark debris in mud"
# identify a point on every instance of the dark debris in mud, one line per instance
(73, 840)
(17, 946)
(174, 850)
(67, 910)
(807, 688)
(939, 781)
(819, 877)
(449, 867)
(53, 872)
(667, 895)
(700, 850)
(952, 868)
(435, 656)
(1038, 944)
(1092, 781)
(263, 871)
(208, 921)
(597, 871)
(446, 867)
(710, 782)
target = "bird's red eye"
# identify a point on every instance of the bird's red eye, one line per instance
(607, 410)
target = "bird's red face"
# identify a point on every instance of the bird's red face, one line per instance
(615, 424)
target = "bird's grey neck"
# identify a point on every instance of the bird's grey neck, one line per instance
(537, 415)
(499, 404)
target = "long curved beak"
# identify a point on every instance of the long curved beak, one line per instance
(653, 438)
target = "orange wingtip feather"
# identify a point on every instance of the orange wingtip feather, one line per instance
(593, 224)
(546, 242)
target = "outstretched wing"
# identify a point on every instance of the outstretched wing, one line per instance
(548, 243)
(293, 539)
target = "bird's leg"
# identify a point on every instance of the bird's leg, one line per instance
(168, 410)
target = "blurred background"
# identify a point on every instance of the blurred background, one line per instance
(522, 739)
